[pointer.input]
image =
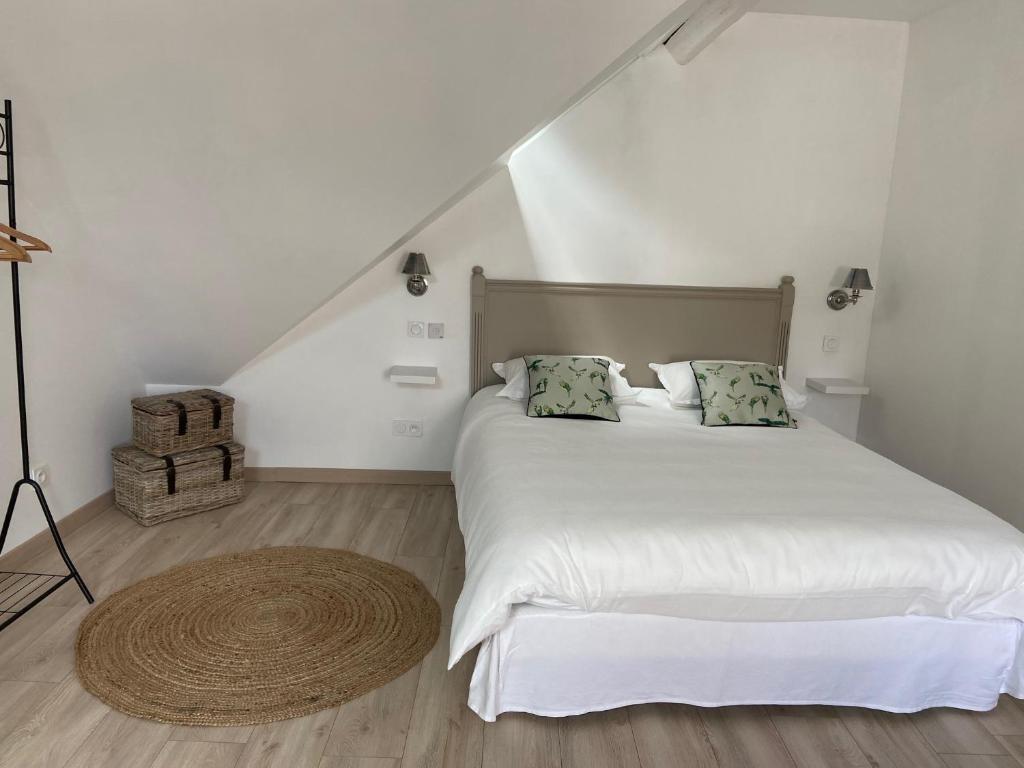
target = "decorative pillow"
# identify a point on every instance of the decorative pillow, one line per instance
(517, 380)
(683, 392)
(741, 394)
(570, 386)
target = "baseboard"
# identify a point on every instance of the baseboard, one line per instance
(332, 475)
(42, 541)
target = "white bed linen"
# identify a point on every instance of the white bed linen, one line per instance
(658, 515)
(560, 662)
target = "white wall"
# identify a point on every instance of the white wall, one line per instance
(231, 164)
(207, 173)
(946, 352)
(769, 155)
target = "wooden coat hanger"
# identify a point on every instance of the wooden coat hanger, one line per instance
(12, 251)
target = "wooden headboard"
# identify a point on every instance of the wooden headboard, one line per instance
(633, 324)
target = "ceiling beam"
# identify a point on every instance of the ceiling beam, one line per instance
(710, 20)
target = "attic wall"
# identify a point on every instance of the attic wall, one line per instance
(768, 155)
(208, 173)
(946, 349)
(234, 163)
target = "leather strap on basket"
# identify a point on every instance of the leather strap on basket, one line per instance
(216, 410)
(227, 461)
(182, 416)
(171, 475)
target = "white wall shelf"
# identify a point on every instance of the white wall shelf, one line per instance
(413, 374)
(838, 386)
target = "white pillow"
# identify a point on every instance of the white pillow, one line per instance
(683, 391)
(517, 380)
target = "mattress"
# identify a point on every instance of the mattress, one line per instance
(555, 662)
(660, 516)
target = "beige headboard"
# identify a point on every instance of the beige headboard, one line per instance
(634, 324)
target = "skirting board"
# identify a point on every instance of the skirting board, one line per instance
(42, 541)
(332, 475)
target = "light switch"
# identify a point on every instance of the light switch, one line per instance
(830, 344)
(435, 330)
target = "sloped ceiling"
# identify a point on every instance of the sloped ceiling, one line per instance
(222, 168)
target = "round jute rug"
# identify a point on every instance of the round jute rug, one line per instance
(256, 636)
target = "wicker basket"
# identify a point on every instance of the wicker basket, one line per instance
(164, 424)
(152, 489)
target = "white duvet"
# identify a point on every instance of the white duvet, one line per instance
(658, 515)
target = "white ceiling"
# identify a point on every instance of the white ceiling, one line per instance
(892, 10)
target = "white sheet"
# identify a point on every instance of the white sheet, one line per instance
(658, 515)
(559, 662)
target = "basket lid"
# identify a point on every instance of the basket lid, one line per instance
(141, 461)
(193, 400)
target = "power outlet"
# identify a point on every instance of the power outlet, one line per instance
(830, 344)
(40, 473)
(407, 427)
(416, 329)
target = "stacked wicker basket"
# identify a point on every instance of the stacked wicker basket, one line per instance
(183, 459)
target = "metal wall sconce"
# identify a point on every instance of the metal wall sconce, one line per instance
(858, 280)
(417, 269)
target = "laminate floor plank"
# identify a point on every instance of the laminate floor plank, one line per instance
(956, 732)
(198, 754)
(17, 640)
(18, 701)
(49, 657)
(120, 741)
(453, 574)
(889, 740)
(381, 532)
(295, 743)
(597, 740)
(518, 740)
(395, 496)
(817, 741)
(1007, 719)
(343, 516)
(232, 734)
(58, 726)
(312, 493)
(429, 521)
(240, 525)
(979, 761)
(443, 731)
(359, 762)
(744, 737)
(426, 569)
(101, 560)
(290, 527)
(671, 736)
(377, 723)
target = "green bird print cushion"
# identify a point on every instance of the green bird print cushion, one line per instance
(573, 387)
(741, 394)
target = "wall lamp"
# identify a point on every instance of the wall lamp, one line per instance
(418, 271)
(858, 280)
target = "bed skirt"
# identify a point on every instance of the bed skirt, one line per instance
(562, 662)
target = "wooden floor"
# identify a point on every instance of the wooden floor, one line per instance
(48, 721)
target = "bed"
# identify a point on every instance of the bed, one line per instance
(659, 560)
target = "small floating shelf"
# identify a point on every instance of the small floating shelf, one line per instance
(413, 374)
(838, 386)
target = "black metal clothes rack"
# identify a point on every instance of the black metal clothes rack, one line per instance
(20, 592)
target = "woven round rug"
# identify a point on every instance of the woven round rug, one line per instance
(256, 636)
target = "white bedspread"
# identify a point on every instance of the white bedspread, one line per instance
(659, 515)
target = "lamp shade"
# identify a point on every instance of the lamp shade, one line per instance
(416, 264)
(858, 280)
